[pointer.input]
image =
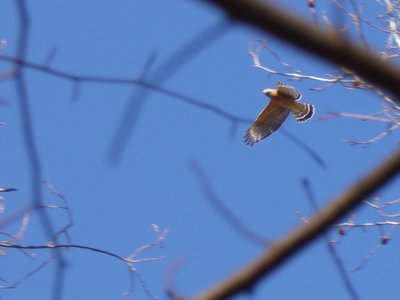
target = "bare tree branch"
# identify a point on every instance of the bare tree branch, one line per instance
(130, 261)
(222, 209)
(179, 58)
(246, 278)
(70, 222)
(327, 44)
(31, 147)
(233, 119)
(130, 116)
(78, 78)
(337, 260)
(374, 139)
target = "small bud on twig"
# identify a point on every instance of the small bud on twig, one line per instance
(341, 231)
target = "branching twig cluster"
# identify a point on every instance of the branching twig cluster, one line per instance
(388, 221)
(389, 118)
(385, 22)
(14, 241)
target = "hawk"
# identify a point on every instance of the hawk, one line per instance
(284, 99)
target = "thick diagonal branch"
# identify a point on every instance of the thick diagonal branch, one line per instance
(327, 44)
(246, 278)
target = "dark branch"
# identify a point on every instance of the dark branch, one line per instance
(222, 209)
(179, 58)
(233, 119)
(330, 247)
(31, 148)
(327, 44)
(246, 278)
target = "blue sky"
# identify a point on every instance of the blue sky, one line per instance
(114, 205)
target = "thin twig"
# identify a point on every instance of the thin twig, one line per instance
(222, 209)
(374, 139)
(70, 223)
(28, 275)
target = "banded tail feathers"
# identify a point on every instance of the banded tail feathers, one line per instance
(305, 112)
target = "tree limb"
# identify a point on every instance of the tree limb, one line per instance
(327, 44)
(246, 278)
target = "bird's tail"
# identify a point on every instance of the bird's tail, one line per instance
(303, 112)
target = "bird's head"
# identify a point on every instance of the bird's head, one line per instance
(268, 92)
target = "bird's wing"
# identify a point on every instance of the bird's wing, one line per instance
(289, 91)
(269, 120)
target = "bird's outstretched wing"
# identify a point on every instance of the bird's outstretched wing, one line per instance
(269, 120)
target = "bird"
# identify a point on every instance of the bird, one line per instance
(283, 100)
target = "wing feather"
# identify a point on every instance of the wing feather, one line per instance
(269, 120)
(289, 91)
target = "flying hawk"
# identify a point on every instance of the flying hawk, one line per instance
(284, 99)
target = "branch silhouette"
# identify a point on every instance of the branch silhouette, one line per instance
(337, 260)
(234, 120)
(245, 279)
(334, 47)
(178, 59)
(222, 209)
(330, 45)
(31, 149)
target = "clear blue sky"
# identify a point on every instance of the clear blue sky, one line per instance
(113, 205)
